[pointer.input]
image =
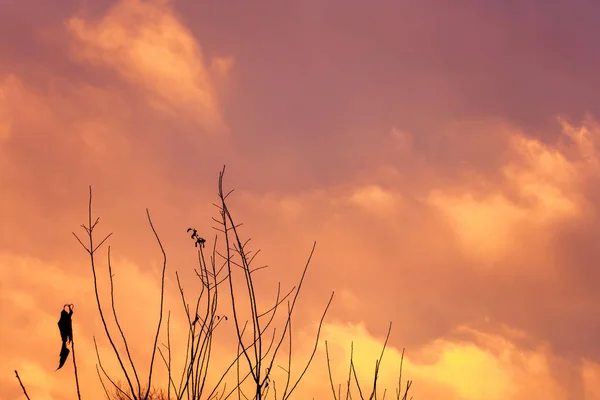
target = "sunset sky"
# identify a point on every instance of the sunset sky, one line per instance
(445, 156)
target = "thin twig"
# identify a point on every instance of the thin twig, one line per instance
(114, 310)
(22, 386)
(75, 369)
(378, 364)
(91, 250)
(169, 348)
(162, 300)
(312, 355)
(102, 383)
(329, 371)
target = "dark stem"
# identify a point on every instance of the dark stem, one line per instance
(75, 369)
(22, 386)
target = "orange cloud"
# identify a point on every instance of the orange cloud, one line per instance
(146, 44)
(478, 239)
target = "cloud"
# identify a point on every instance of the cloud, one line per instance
(538, 187)
(489, 244)
(475, 234)
(147, 45)
(494, 368)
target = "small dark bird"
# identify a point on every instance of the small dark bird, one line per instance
(66, 332)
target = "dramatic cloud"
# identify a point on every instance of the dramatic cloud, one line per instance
(446, 160)
(149, 47)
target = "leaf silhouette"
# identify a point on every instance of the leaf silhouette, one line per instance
(65, 327)
(64, 353)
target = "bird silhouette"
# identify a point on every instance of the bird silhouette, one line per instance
(66, 333)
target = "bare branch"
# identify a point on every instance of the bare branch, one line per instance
(22, 386)
(162, 300)
(91, 251)
(312, 355)
(114, 310)
(329, 371)
(378, 364)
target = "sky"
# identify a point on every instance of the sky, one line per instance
(443, 155)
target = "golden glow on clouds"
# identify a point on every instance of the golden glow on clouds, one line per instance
(408, 240)
(471, 372)
(457, 370)
(148, 46)
(591, 372)
(544, 183)
(376, 200)
(483, 226)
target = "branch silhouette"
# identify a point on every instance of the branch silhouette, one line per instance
(226, 273)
